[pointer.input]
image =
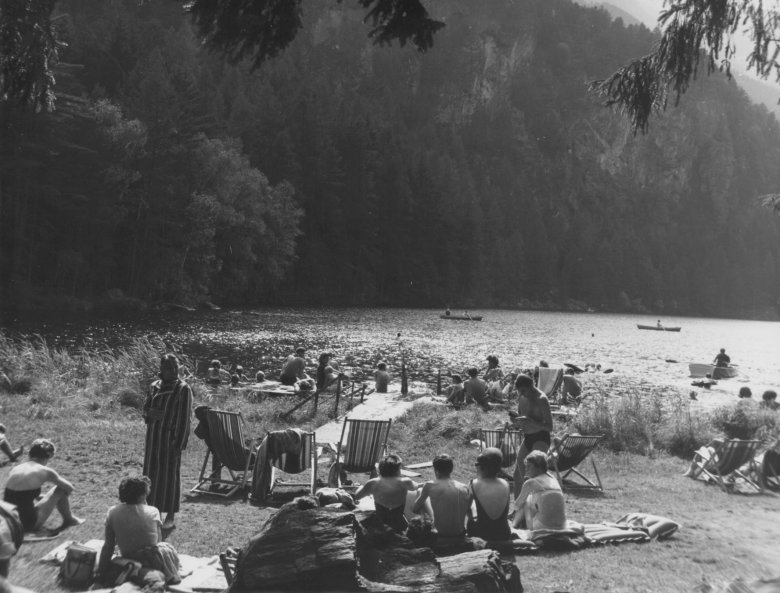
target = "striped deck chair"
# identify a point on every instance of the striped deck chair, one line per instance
(550, 380)
(232, 449)
(565, 457)
(724, 463)
(365, 444)
(287, 452)
(506, 440)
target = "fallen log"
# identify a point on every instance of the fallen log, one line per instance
(310, 549)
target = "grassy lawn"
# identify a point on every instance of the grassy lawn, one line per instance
(723, 536)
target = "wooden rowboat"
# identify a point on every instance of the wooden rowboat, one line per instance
(659, 329)
(699, 369)
(462, 317)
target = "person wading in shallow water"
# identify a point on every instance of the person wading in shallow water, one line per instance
(167, 412)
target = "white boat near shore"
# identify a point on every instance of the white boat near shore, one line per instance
(699, 369)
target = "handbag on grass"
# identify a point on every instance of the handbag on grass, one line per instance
(78, 568)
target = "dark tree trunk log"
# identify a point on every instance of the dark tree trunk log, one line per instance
(321, 549)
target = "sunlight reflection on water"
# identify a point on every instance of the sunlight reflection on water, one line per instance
(359, 338)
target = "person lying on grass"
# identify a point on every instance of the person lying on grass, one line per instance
(136, 528)
(450, 499)
(540, 504)
(23, 489)
(389, 491)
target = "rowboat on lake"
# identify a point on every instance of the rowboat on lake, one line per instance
(462, 317)
(699, 369)
(662, 328)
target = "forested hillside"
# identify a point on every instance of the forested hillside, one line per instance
(481, 173)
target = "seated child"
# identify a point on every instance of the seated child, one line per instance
(389, 491)
(381, 378)
(136, 528)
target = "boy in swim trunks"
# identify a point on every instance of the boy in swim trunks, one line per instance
(23, 489)
(389, 491)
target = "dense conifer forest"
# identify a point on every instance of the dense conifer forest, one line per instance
(481, 173)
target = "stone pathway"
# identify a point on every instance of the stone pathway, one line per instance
(376, 406)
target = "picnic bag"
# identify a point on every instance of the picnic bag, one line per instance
(78, 568)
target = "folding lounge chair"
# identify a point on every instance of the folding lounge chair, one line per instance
(365, 444)
(550, 380)
(231, 448)
(724, 465)
(507, 441)
(568, 454)
(288, 452)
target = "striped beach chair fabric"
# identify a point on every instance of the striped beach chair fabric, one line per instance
(566, 456)
(232, 449)
(550, 380)
(728, 461)
(507, 441)
(365, 444)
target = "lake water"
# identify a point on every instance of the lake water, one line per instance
(359, 338)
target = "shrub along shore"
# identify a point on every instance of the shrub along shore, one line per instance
(89, 403)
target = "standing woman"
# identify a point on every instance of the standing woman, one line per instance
(167, 414)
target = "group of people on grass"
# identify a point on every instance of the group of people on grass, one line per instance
(326, 376)
(135, 525)
(480, 508)
(495, 388)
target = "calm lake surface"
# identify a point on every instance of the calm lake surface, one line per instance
(359, 338)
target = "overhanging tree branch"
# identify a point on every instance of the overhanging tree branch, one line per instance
(692, 30)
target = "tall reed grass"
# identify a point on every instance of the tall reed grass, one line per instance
(642, 418)
(53, 379)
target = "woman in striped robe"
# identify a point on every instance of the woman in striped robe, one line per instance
(167, 413)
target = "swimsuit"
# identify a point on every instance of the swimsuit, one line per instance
(542, 436)
(25, 505)
(393, 518)
(487, 528)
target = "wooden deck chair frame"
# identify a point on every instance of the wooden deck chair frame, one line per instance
(366, 443)
(567, 455)
(227, 434)
(498, 438)
(557, 380)
(310, 440)
(726, 461)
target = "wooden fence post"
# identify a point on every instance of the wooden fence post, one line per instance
(438, 382)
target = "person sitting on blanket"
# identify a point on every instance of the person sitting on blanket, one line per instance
(450, 499)
(23, 489)
(136, 528)
(476, 390)
(389, 491)
(491, 498)
(540, 504)
(294, 369)
(572, 388)
(454, 393)
(215, 374)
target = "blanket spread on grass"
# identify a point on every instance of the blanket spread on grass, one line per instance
(198, 574)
